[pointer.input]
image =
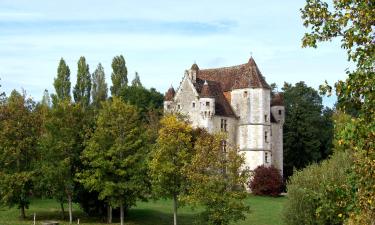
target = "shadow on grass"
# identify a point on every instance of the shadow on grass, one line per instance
(134, 217)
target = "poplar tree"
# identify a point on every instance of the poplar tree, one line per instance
(119, 75)
(99, 86)
(171, 156)
(62, 82)
(82, 89)
(114, 157)
(20, 129)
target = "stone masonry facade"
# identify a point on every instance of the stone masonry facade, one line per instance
(236, 100)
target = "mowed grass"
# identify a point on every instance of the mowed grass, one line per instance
(264, 211)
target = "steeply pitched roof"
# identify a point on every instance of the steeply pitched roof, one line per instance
(169, 95)
(213, 89)
(277, 99)
(235, 77)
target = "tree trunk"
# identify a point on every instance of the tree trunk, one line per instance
(62, 210)
(23, 215)
(109, 214)
(70, 208)
(175, 209)
(121, 214)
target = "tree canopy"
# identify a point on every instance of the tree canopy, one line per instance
(62, 82)
(119, 75)
(99, 90)
(82, 89)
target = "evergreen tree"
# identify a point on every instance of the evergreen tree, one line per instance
(136, 82)
(82, 89)
(62, 82)
(115, 156)
(170, 158)
(20, 129)
(99, 86)
(119, 75)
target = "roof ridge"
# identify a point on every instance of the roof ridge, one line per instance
(225, 67)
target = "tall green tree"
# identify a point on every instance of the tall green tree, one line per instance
(115, 156)
(352, 22)
(19, 132)
(60, 149)
(170, 158)
(145, 99)
(82, 89)
(119, 75)
(137, 80)
(99, 90)
(303, 128)
(62, 82)
(217, 181)
(2, 96)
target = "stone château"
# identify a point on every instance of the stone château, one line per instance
(236, 100)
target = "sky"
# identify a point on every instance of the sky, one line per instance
(160, 40)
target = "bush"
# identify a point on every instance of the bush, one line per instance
(321, 193)
(266, 181)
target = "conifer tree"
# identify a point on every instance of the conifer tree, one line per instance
(82, 89)
(119, 75)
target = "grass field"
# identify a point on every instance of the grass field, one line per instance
(264, 211)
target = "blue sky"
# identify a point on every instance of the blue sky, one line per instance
(159, 40)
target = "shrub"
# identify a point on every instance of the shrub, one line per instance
(266, 181)
(321, 193)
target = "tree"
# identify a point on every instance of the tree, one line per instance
(62, 82)
(170, 157)
(119, 75)
(303, 128)
(99, 86)
(115, 156)
(145, 99)
(20, 129)
(82, 89)
(2, 96)
(216, 181)
(352, 22)
(136, 81)
(60, 149)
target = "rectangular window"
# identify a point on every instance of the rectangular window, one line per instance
(178, 106)
(207, 103)
(223, 125)
(266, 157)
(266, 137)
(279, 112)
(193, 104)
(265, 118)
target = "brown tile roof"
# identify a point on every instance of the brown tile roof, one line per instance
(222, 106)
(235, 77)
(277, 99)
(169, 95)
(194, 67)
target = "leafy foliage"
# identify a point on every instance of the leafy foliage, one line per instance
(82, 89)
(169, 159)
(114, 156)
(353, 22)
(321, 193)
(20, 129)
(304, 124)
(216, 181)
(62, 82)
(266, 181)
(99, 86)
(119, 75)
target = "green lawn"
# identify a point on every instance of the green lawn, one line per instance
(264, 211)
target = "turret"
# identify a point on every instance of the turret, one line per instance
(168, 99)
(193, 73)
(277, 108)
(207, 102)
